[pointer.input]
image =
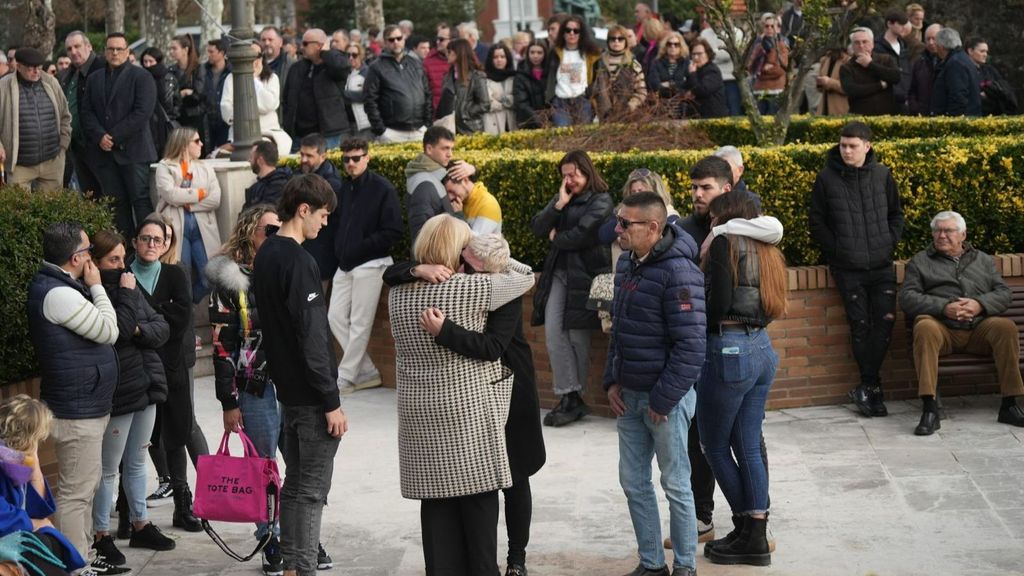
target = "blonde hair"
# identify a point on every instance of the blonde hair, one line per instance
(654, 184)
(441, 240)
(171, 256)
(24, 422)
(684, 50)
(653, 29)
(239, 246)
(492, 250)
(177, 143)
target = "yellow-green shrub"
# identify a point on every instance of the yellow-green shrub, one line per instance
(982, 178)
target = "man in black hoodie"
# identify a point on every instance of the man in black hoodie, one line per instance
(300, 358)
(270, 179)
(856, 219)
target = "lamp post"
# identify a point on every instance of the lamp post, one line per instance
(241, 54)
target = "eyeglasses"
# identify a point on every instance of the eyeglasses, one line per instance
(150, 240)
(695, 54)
(353, 158)
(946, 231)
(80, 250)
(395, 39)
(443, 39)
(677, 44)
(116, 49)
(625, 224)
(616, 38)
(572, 30)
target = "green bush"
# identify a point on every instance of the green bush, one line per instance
(982, 178)
(23, 217)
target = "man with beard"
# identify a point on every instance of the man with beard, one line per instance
(398, 100)
(313, 160)
(83, 63)
(270, 179)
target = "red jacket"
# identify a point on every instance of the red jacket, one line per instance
(436, 66)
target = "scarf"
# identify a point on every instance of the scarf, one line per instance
(147, 274)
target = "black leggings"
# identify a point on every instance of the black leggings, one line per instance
(518, 514)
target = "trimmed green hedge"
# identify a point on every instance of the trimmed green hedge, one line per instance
(736, 131)
(23, 216)
(982, 178)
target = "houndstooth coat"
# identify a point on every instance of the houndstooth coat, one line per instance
(452, 409)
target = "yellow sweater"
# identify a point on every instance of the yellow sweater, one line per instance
(482, 212)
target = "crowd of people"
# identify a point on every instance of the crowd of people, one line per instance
(690, 362)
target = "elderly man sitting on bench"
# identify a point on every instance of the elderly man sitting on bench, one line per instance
(955, 295)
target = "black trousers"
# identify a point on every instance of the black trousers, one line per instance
(870, 300)
(460, 535)
(128, 185)
(518, 515)
(87, 180)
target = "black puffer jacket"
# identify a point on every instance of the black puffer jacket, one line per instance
(237, 335)
(194, 105)
(528, 94)
(142, 380)
(576, 251)
(328, 88)
(709, 90)
(855, 215)
(397, 94)
(267, 189)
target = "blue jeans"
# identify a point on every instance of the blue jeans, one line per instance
(193, 253)
(262, 420)
(309, 464)
(732, 98)
(569, 111)
(126, 439)
(639, 440)
(738, 372)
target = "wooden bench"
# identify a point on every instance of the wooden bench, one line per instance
(962, 363)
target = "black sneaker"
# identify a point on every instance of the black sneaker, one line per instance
(1012, 415)
(515, 570)
(569, 409)
(323, 559)
(273, 564)
(152, 538)
(877, 401)
(101, 567)
(162, 495)
(107, 550)
(861, 397)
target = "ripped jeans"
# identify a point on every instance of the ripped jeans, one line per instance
(870, 300)
(125, 440)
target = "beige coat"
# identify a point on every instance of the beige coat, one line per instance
(172, 199)
(451, 409)
(832, 92)
(9, 115)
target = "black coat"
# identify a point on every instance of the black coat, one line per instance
(863, 86)
(192, 108)
(997, 96)
(369, 220)
(677, 79)
(957, 90)
(503, 339)
(855, 216)
(709, 91)
(903, 62)
(125, 116)
(172, 298)
(168, 101)
(397, 94)
(468, 101)
(328, 90)
(577, 251)
(528, 95)
(321, 248)
(142, 380)
(268, 189)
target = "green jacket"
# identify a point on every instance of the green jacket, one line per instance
(933, 279)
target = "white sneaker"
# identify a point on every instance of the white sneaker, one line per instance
(345, 387)
(368, 380)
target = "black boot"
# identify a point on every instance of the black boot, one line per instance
(570, 408)
(124, 525)
(750, 547)
(738, 522)
(183, 517)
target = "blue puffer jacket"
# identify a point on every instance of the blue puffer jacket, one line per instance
(658, 331)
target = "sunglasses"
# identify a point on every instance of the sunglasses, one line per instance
(353, 158)
(311, 42)
(672, 44)
(616, 38)
(353, 54)
(625, 224)
(572, 30)
(639, 173)
(442, 39)
(269, 229)
(395, 39)
(150, 240)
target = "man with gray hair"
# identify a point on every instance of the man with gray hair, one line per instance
(922, 82)
(734, 157)
(955, 295)
(339, 40)
(868, 78)
(957, 90)
(406, 27)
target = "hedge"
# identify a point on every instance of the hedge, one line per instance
(23, 216)
(736, 131)
(982, 178)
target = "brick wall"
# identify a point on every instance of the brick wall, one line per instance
(813, 343)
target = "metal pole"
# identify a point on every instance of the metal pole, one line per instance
(241, 53)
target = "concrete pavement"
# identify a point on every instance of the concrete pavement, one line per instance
(850, 496)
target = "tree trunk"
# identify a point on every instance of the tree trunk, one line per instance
(210, 28)
(115, 16)
(39, 26)
(369, 13)
(161, 20)
(288, 19)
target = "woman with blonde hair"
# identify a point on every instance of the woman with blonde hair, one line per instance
(27, 504)
(670, 71)
(188, 194)
(619, 85)
(647, 51)
(746, 290)
(452, 409)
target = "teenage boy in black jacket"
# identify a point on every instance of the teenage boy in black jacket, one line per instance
(286, 281)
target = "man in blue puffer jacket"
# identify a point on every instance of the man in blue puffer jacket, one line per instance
(655, 355)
